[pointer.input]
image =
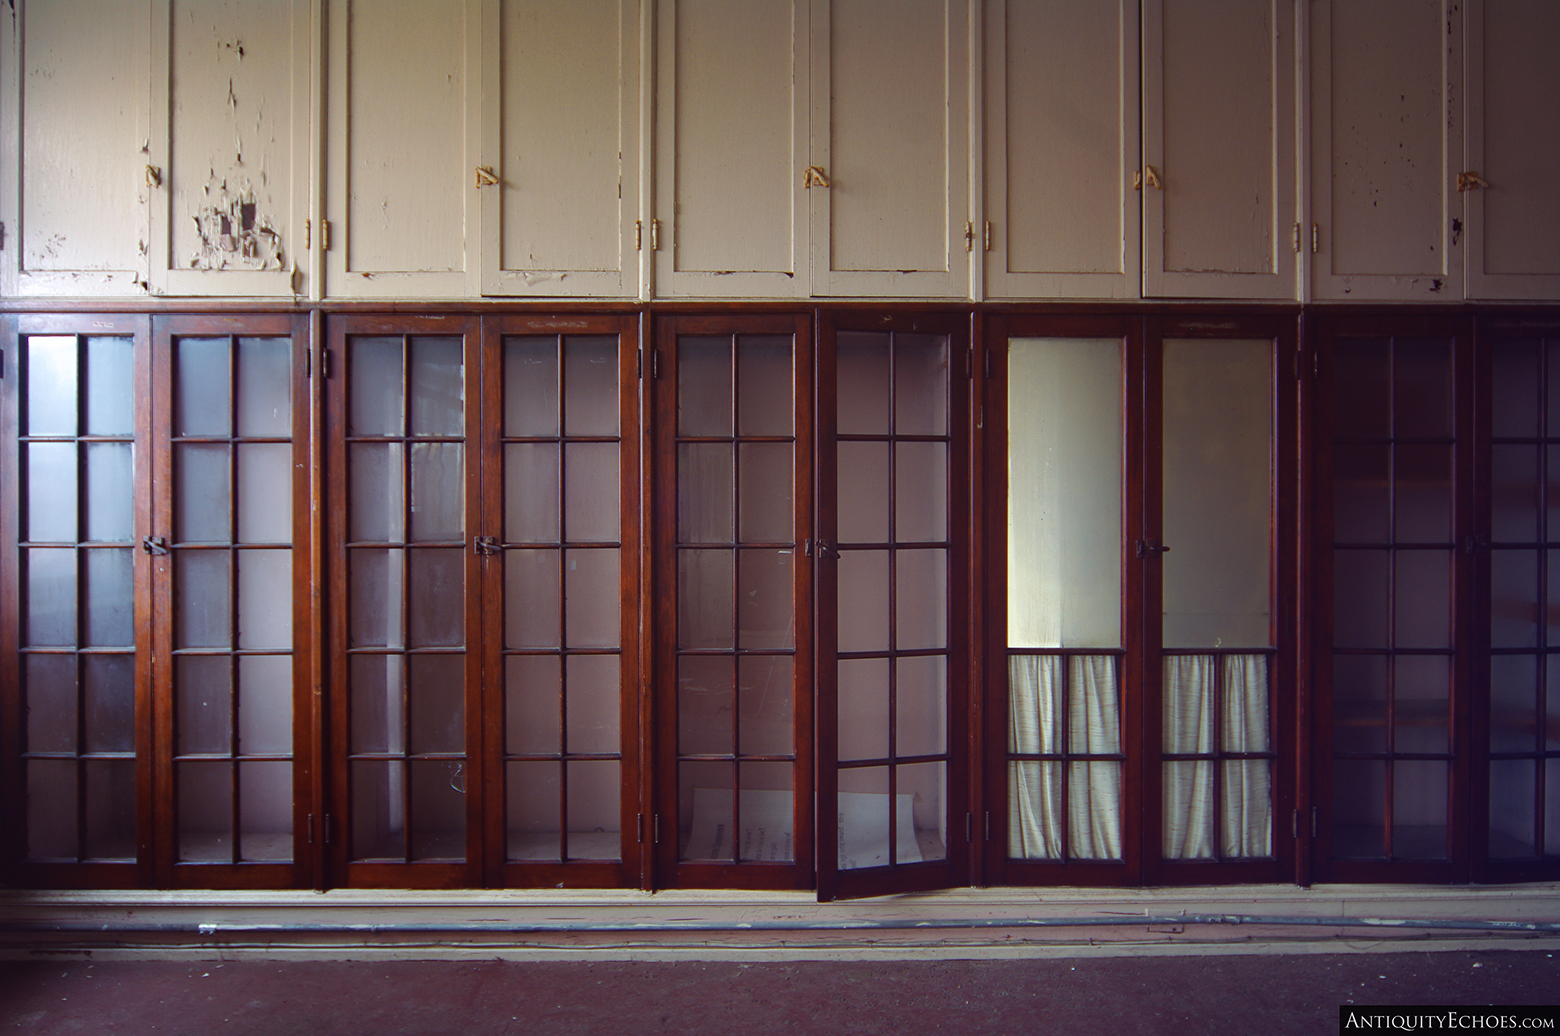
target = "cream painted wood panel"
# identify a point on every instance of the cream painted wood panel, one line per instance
(1513, 225)
(1386, 130)
(560, 220)
(890, 118)
(80, 182)
(232, 99)
(1218, 133)
(1061, 145)
(402, 130)
(732, 106)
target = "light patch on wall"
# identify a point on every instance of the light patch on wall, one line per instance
(233, 232)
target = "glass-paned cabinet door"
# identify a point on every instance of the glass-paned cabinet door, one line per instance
(406, 797)
(560, 585)
(1056, 645)
(892, 618)
(733, 591)
(76, 688)
(1211, 549)
(1394, 508)
(232, 655)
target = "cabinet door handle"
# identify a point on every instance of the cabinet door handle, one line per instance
(1152, 176)
(1151, 548)
(815, 177)
(486, 177)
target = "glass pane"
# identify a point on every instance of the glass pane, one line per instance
(590, 598)
(1552, 491)
(1515, 370)
(863, 708)
(1553, 417)
(1423, 611)
(533, 699)
(1034, 811)
(1064, 493)
(51, 809)
(704, 493)
(378, 809)
(920, 384)
(530, 385)
(50, 682)
(705, 705)
(51, 597)
(1552, 609)
(1513, 703)
(590, 500)
(265, 493)
(593, 704)
(436, 698)
(110, 395)
(1514, 494)
(590, 385)
(594, 810)
(1036, 699)
(1093, 705)
(532, 606)
(1188, 816)
(374, 403)
(51, 390)
(533, 819)
(1422, 481)
(1246, 714)
(920, 492)
(764, 492)
(378, 703)
(863, 600)
(1512, 789)
(265, 599)
(1188, 704)
(108, 703)
(110, 492)
(764, 385)
(531, 492)
(438, 491)
(1360, 703)
(764, 687)
(438, 387)
(265, 808)
(376, 487)
(265, 386)
(1359, 795)
(1422, 390)
(438, 809)
(1361, 387)
(375, 587)
(1514, 598)
(703, 386)
(1360, 598)
(1552, 703)
(704, 810)
(51, 491)
(205, 793)
(765, 618)
(861, 374)
(265, 704)
(1246, 829)
(1362, 498)
(1419, 809)
(767, 812)
(921, 599)
(201, 494)
(862, 486)
(203, 703)
(921, 705)
(202, 382)
(705, 585)
(436, 597)
(1552, 797)
(865, 838)
(110, 833)
(1421, 712)
(1218, 420)
(107, 588)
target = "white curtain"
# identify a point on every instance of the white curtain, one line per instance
(1035, 787)
(1247, 829)
(1245, 816)
(1188, 784)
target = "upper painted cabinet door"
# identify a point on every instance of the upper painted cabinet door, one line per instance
(1061, 145)
(79, 184)
(731, 148)
(560, 135)
(231, 97)
(1386, 128)
(1218, 149)
(1513, 210)
(890, 110)
(401, 191)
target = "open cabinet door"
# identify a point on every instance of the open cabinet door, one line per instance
(891, 559)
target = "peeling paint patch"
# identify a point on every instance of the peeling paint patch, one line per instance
(234, 234)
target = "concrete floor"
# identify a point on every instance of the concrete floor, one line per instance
(1269, 994)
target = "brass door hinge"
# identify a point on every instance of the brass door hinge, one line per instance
(1316, 238)
(969, 236)
(308, 227)
(986, 236)
(655, 235)
(639, 235)
(325, 235)
(1297, 237)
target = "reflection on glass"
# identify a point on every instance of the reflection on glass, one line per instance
(704, 493)
(438, 393)
(594, 811)
(110, 389)
(205, 795)
(703, 386)
(530, 385)
(265, 811)
(265, 387)
(532, 820)
(110, 489)
(51, 492)
(532, 696)
(531, 509)
(374, 403)
(51, 385)
(201, 385)
(108, 703)
(590, 380)
(764, 402)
